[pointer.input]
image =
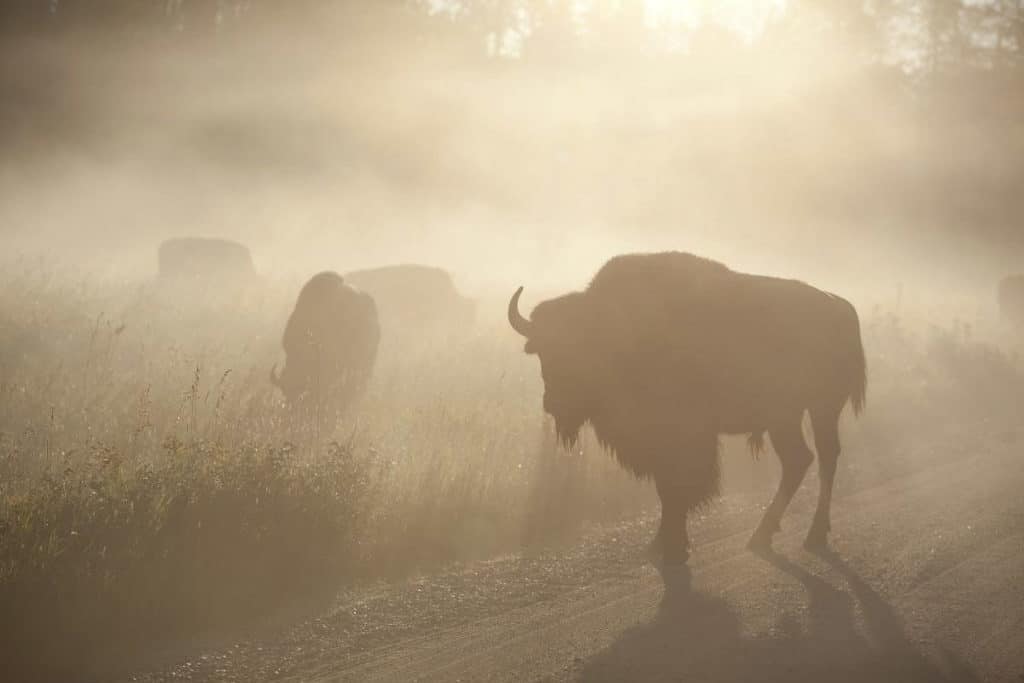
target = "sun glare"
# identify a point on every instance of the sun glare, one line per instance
(746, 17)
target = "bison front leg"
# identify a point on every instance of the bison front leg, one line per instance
(672, 540)
(685, 481)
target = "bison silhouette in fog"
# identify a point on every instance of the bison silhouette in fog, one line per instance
(415, 296)
(202, 260)
(201, 284)
(331, 344)
(664, 352)
(1011, 299)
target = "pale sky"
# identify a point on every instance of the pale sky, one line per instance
(747, 17)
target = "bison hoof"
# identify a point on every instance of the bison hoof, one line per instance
(667, 553)
(816, 540)
(760, 542)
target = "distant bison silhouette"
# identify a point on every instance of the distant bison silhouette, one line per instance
(201, 283)
(664, 352)
(1011, 299)
(200, 260)
(331, 344)
(415, 296)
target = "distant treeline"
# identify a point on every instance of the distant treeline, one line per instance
(926, 35)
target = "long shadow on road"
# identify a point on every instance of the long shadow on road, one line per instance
(697, 637)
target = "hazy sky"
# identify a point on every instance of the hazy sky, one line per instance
(329, 153)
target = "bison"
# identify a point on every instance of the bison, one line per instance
(203, 260)
(331, 344)
(415, 296)
(1011, 299)
(202, 284)
(664, 352)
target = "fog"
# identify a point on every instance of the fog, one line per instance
(153, 475)
(358, 138)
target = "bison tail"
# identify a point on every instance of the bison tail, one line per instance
(755, 442)
(858, 369)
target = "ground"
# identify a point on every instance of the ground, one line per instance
(924, 582)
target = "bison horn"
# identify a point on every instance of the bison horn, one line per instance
(515, 318)
(274, 379)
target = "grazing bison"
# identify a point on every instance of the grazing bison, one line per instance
(331, 344)
(1011, 299)
(421, 297)
(664, 352)
(202, 261)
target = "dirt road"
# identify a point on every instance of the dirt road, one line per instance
(926, 583)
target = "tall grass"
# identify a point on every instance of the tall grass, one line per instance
(152, 483)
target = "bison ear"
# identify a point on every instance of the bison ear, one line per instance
(530, 347)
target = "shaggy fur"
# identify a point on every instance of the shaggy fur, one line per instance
(331, 343)
(664, 352)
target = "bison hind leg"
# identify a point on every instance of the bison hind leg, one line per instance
(826, 442)
(796, 457)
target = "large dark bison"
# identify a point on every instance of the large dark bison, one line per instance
(664, 352)
(203, 260)
(1011, 299)
(331, 344)
(415, 296)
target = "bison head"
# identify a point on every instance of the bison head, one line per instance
(288, 381)
(557, 333)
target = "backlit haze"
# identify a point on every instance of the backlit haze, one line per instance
(774, 138)
(177, 497)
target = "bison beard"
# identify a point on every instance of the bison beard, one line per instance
(660, 347)
(568, 430)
